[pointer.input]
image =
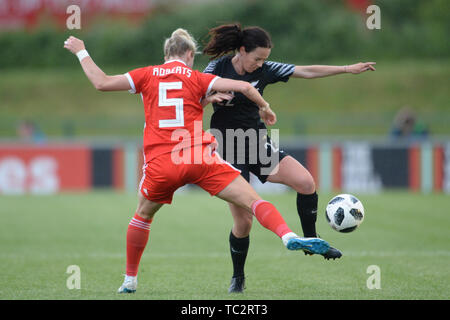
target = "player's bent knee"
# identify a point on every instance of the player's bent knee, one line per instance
(240, 193)
(309, 186)
(305, 185)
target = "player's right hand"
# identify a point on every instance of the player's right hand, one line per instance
(268, 116)
(74, 45)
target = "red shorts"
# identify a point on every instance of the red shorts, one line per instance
(163, 175)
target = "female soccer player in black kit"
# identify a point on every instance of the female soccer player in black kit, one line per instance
(241, 54)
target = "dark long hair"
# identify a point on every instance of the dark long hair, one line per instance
(230, 37)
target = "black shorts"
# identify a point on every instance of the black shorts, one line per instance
(249, 150)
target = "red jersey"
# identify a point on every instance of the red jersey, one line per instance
(173, 114)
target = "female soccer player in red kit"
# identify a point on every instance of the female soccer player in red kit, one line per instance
(171, 94)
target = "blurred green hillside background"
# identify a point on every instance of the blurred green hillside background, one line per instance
(43, 82)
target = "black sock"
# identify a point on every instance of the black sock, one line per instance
(238, 250)
(307, 211)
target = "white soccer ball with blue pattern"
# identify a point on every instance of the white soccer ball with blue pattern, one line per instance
(344, 213)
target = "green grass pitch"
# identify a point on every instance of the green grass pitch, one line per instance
(406, 235)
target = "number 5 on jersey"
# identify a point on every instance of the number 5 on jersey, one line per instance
(172, 102)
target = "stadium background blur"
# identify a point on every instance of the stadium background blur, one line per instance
(45, 96)
(58, 135)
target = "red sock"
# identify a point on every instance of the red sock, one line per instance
(269, 217)
(137, 237)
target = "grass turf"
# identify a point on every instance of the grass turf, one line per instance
(405, 235)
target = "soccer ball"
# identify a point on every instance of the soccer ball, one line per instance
(344, 213)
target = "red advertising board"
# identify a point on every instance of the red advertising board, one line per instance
(44, 169)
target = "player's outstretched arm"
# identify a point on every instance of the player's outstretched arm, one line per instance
(98, 78)
(319, 71)
(224, 85)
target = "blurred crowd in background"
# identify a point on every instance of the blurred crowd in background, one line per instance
(333, 125)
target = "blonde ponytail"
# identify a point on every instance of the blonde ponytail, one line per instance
(179, 42)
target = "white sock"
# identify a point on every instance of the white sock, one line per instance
(130, 278)
(288, 236)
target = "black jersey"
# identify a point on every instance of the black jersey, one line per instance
(240, 112)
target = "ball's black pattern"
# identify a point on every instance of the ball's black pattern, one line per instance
(356, 214)
(336, 200)
(339, 216)
(347, 230)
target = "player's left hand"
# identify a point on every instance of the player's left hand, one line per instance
(74, 45)
(219, 97)
(361, 67)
